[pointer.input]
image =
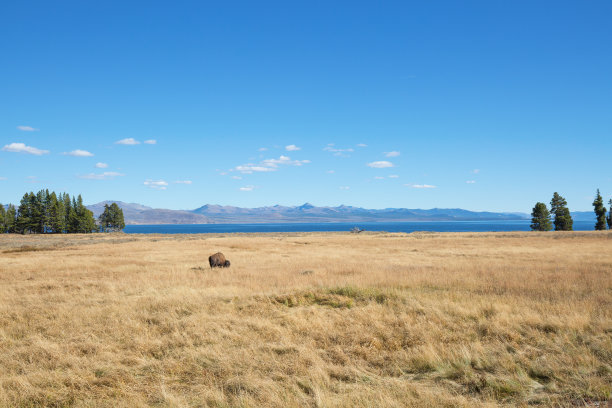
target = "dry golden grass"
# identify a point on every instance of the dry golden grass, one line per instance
(329, 320)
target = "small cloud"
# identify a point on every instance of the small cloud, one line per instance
(27, 128)
(101, 165)
(379, 178)
(330, 171)
(157, 185)
(22, 148)
(476, 171)
(262, 149)
(338, 152)
(420, 185)
(284, 160)
(292, 148)
(182, 182)
(362, 145)
(247, 188)
(268, 165)
(392, 154)
(344, 188)
(150, 141)
(32, 179)
(3, 178)
(248, 169)
(101, 176)
(393, 176)
(380, 164)
(78, 153)
(471, 182)
(237, 177)
(130, 141)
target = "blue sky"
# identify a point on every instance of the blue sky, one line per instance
(483, 105)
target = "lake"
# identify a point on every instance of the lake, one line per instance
(438, 226)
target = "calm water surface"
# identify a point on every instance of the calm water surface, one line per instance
(438, 226)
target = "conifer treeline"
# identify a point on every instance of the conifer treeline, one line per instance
(49, 213)
(540, 216)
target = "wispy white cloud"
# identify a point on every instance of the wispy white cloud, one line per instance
(338, 152)
(471, 182)
(269, 165)
(362, 145)
(344, 188)
(183, 182)
(250, 168)
(393, 176)
(101, 165)
(3, 178)
(420, 185)
(284, 160)
(157, 185)
(101, 176)
(262, 149)
(32, 179)
(237, 177)
(78, 153)
(27, 128)
(22, 148)
(379, 178)
(150, 141)
(130, 141)
(380, 164)
(247, 188)
(392, 154)
(330, 171)
(292, 148)
(476, 171)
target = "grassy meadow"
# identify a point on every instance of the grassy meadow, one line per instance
(306, 320)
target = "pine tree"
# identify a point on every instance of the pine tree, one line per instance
(116, 212)
(84, 219)
(68, 213)
(610, 215)
(24, 219)
(558, 207)
(600, 212)
(57, 217)
(10, 218)
(104, 219)
(2, 216)
(111, 218)
(540, 218)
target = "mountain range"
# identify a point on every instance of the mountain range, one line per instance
(138, 214)
(208, 214)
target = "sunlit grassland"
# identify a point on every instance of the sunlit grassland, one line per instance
(313, 319)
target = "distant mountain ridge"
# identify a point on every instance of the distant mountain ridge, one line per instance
(135, 213)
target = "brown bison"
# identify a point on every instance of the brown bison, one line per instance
(218, 261)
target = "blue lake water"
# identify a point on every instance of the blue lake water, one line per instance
(438, 226)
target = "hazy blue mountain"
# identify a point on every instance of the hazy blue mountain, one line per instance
(134, 213)
(310, 213)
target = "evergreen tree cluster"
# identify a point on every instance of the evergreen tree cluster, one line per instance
(111, 219)
(600, 213)
(7, 218)
(541, 217)
(47, 213)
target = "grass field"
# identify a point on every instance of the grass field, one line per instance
(318, 319)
